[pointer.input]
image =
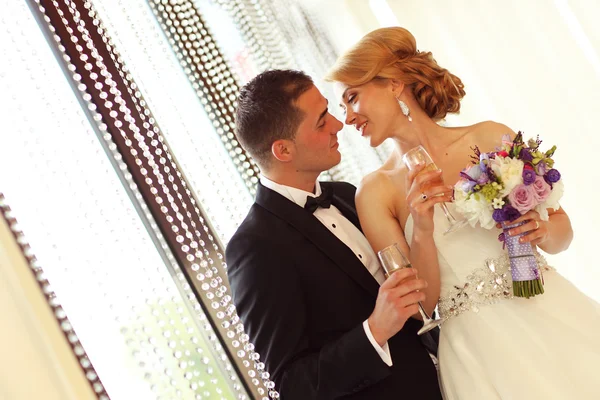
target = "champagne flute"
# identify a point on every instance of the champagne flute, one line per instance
(419, 155)
(393, 260)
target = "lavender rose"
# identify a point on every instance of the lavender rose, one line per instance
(528, 176)
(522, 198)
(541, 189)
(552, 176)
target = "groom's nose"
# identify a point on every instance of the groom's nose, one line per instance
(338, 125)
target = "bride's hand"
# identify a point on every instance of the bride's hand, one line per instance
(426, 189)
(535, 230)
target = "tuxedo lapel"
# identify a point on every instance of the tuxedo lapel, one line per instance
(345, 208)
(311, 228)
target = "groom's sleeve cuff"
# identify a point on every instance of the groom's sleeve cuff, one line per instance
(384, 352)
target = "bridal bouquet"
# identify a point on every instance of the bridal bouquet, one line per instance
(503, 185)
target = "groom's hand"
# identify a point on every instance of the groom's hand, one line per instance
(396, 302)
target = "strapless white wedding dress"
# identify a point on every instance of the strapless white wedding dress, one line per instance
(494, 346)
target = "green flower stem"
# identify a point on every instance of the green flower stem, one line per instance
(528, 289)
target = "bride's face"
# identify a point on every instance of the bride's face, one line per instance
(372, 108)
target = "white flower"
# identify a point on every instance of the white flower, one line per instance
(510, 172)
(497, 203)
(474, 210)
(543, 211)
(552, 201)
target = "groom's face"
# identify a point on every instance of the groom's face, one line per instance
(316, 142)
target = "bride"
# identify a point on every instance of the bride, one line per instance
(544, 347)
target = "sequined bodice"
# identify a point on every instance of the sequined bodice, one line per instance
(460, 252)
(474, 268)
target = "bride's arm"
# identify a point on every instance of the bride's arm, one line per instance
(375, 201)
(424, 256)
(559, 233)
(552, 236)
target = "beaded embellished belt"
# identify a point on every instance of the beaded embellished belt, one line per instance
(486, 285)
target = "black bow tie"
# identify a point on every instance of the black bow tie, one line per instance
(323, 201)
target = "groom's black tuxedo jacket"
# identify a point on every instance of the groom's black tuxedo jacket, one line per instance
(303, 295)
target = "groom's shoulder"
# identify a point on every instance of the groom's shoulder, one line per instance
(258, 229)
(255, 221)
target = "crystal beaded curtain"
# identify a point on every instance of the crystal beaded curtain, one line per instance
(219, 188)
(121, 257)
(136, 64)
(208, 73)
(193, 105)
(230, 42)
(285, 34)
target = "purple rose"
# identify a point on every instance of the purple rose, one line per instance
(529, 176)
(525, 155)
(511, 213)
(506, 213)
(522, 198)
(552, 176)
(541, 168)
(541, 189)
(499, 215)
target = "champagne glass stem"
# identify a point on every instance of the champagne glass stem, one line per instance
(423, 313)
(428, 322)
(392, 260)
(448, 214)
(454, 224)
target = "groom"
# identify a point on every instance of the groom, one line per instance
(305, 281)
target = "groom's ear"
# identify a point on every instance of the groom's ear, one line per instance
(282, 150)
(397, 87)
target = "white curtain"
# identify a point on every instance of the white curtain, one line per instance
(533, 65)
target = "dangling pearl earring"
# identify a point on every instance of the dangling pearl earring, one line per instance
(405, 109)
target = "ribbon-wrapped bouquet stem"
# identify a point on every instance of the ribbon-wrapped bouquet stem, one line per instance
(499, 187)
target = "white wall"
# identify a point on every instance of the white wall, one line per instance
(533, 65)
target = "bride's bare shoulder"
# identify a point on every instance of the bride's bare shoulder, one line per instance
(488, 134)
(381, 184)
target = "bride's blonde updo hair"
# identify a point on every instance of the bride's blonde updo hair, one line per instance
(392, 53)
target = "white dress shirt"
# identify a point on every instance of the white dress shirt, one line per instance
(345, 231)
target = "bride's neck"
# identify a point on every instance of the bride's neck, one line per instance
(420, 131)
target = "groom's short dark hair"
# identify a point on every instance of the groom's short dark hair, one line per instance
(266, 111)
